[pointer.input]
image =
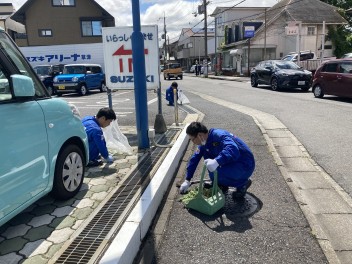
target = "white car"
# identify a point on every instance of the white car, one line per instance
(193, 68)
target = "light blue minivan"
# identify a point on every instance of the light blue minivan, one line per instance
(43, 145)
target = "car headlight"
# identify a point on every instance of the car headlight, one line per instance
(42, 78)
(75, 111)
(74, 79)
(55, 79)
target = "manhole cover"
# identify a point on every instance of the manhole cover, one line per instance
(246, 206)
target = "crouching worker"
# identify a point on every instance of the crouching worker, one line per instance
(224, 152)
(97, 145)
(170, 93)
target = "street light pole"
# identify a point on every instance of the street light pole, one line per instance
(205, 38)
(165, 55)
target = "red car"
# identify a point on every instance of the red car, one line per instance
(333, 77)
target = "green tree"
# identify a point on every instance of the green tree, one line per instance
(341, 36)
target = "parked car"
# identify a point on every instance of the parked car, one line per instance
(334, 77)
(47, 73)
(80, 78)
(347, 55)
(162, 67)
(173, 70)
(304, 55)
(193, 68)
(280, 74)
(44, 146)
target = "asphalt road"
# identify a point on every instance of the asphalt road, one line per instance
(321, 125)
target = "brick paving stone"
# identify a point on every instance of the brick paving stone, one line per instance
(124, 171)
(22, 218)
(82, 213)
(16, 231)
(77, 224)
(66, 210)
(45, 200)
(95, 169)
(45, 209)
(12, 245)
(59, 236)
(98, 181)
(35, 260)
(121, 161)
(99, 188)
(37, 233)
(84, 187)
(41, 220)
(82, 195)
(69, 202)
(38, 247)
(123, 165)
(99, 196)
(11, 258)
(1, 239)
(86, 202)
(62, 222)
(53, 249)
(29, 208)
(114, 176)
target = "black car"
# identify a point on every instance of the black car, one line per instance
(47, 73)
(281, 74)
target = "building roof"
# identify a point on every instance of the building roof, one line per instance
(19, 15)
(306, 11)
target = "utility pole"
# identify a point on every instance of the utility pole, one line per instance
(205, 39)
(265, 36)
(165, 55)
(216, 53)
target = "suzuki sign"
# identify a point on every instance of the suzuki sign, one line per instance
(118, 59)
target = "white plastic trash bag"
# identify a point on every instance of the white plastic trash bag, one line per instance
(182, 98)
(116, 142)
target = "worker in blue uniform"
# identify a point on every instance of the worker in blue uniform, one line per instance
(170, 93)
(224, 152)
(97, 145)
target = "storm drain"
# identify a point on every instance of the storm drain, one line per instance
(246, 206)
(188, 109)
(85, 245)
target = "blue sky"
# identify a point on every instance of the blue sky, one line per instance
(178, 13)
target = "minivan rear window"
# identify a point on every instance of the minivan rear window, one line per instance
(329, 67)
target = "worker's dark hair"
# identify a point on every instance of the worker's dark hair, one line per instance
(196, 127)
(174, 84)
(107, 112)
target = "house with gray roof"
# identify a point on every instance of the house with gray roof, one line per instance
(288, 26)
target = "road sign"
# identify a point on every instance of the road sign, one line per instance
(249, 31)
(117, 46)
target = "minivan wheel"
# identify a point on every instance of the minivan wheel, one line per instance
(318, 92)
(83, 90)
(274, 84)
(254, 82)
(103, 88)
(69, 172)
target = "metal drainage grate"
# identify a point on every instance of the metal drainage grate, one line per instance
(246, 206)
(187, 109)
(84, 246)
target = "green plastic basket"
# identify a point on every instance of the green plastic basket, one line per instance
(211, 205)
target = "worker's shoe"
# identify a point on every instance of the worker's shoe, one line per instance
(94, 163)
(241, 192)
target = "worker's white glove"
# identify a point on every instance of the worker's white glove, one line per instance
(184, 186)
(211, 164)
(110, 159)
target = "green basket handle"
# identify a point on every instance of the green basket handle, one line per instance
(215, 182)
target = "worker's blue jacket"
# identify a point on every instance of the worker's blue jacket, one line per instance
(96, 138)
(170, 95)
(236, 160)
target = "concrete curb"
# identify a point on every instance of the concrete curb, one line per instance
(125, 246)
